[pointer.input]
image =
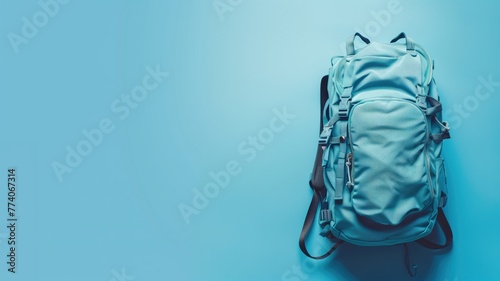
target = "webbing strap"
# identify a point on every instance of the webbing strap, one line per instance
(412, 270)
(325, 137)
(319, 191)
(311, 215)
(421, 98)
(336, 140)
(344, 107)
(339, 173)
(439, 137)
(435, 106)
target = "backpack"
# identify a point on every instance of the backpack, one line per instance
(379, 177)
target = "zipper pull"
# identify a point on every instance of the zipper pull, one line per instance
(348, 159)
(348, 163)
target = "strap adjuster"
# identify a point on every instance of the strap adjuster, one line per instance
(325, 135)
(326, 216)
(343, 113)
(344, 105)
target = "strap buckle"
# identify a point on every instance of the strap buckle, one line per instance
(422, 102)
(325, 217)
(421, 98)
(344, 105)
(325, 135)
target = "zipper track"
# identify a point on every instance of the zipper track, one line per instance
(351, 146)
(418, 48)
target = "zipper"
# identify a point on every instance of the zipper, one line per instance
(431, 185)
(423, 53)
(349, 157)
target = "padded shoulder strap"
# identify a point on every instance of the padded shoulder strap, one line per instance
(323, 99)
(317, 172)
(317, 184)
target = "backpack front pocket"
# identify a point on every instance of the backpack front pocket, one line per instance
(388, 140)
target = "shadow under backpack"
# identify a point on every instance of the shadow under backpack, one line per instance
(378, 177)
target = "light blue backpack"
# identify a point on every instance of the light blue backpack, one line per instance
(379, 178)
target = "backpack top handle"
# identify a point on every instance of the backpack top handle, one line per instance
(350, 43)
(410, 45)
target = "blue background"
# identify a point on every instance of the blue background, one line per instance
(116, 215)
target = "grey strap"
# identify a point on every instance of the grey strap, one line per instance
(339, 173)
(332, 121)
(325, 139)
(336, 140)
(421, 98)
(445, 228)
(344, 107)
(326, 133)
(435, 106)
(439, 137)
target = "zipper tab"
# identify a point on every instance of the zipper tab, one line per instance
(348, 163)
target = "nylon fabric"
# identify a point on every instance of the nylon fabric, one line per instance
(396, 169)
(390, 170)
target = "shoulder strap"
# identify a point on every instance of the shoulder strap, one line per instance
(445, 228)
(317, 184)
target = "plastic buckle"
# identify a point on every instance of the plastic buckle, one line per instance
(421, 98)
(343, 114)
(422, 102)
(344, 108)
(326, 216)
(325, 135)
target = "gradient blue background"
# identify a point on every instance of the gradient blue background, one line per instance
(119, 209)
